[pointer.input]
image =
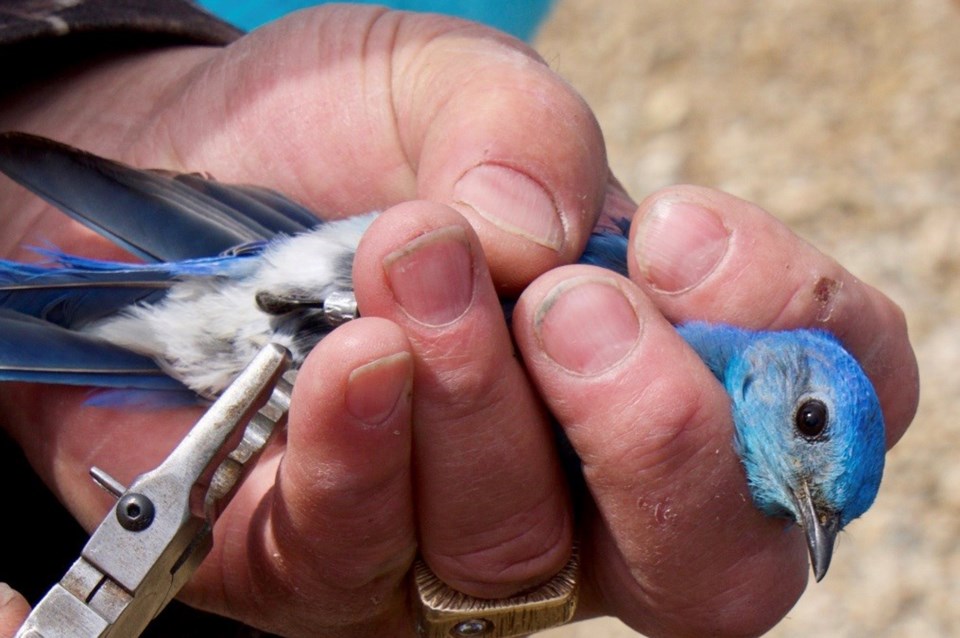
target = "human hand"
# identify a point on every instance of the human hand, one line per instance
(458, 389)
(320, 539)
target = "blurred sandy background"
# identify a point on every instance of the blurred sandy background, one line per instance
(843, 118)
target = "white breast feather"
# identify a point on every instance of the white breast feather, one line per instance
(206, 329)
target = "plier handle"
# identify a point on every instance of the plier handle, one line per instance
(147, 548)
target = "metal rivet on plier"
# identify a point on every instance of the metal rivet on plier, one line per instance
(135, 512)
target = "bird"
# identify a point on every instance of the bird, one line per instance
(807, 423)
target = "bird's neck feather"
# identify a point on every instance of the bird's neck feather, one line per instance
(716, 344)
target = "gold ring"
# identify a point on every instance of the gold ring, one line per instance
(447, 613)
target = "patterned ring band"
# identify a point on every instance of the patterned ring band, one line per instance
(446, 613)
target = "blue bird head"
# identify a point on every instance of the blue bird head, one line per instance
(809, 429)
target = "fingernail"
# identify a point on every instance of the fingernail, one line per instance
(678, 244)
(7, 594)
(375, 389)
(512, 201)
(432, 276)
(587, 325)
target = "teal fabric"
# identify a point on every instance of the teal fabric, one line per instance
(519, 18)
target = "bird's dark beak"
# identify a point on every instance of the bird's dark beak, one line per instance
(821, 528)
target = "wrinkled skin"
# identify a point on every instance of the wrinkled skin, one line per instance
(399, 417)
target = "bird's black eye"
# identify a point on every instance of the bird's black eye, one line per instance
(811, 418)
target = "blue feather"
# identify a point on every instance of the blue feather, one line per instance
(281, 204)
(35, 350)
(152, 214)
(83, 290)
(142, 399)
(254, 206)
(608, 249)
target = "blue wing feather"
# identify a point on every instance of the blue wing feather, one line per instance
(72, 298)
(187, 226)
(156, 215)
(84, 290)
(252, 211)
(280, 203)
(235, 262)
(149, 399)
(35, 350)
(140, 211)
